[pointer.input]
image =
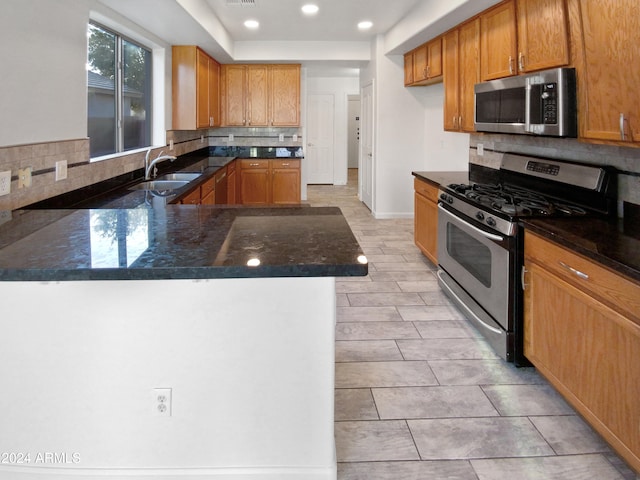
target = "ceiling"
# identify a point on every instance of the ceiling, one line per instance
(283, 20)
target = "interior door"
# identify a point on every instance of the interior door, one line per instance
(320, 130)
(366, 156)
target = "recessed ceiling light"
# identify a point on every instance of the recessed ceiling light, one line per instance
(252, 24)
(310, 9)
(365, 25)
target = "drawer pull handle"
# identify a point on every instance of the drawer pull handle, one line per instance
(254, 164)
(574, 271)
(285, 164)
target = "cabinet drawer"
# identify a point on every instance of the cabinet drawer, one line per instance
(256, 163)
(192, 198)
(612, 289)
(426, 189)
(288, 163)
(208, 187)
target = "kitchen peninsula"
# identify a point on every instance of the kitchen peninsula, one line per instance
(232, 309)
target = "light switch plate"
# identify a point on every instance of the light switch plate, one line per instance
(5, 182)
(61, 170)
(480, 149)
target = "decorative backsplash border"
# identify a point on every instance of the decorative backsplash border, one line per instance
(625, 160)
(81, 172)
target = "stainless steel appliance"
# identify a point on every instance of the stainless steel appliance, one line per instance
(541, 103)
(480, 251)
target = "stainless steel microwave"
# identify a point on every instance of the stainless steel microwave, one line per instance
(541, 103)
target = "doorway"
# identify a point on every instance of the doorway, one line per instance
(367, 142)
(353, 126)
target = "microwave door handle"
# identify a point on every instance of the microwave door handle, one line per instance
(527, 105)
(490, 236)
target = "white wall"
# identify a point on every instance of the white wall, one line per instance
(340, 88)
(43, 50)
(409, 134)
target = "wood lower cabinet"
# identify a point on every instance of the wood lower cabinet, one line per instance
(232, 181)
(606, 58)
(426, 218)
(582, 332)
(461, 69)
(264, 182)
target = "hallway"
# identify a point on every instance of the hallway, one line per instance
(420, 395)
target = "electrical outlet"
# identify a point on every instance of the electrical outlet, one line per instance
(480, 149)
(295, 137)
(5, 182)
(170, 144)
(61, 170)
(24, 177)
(231, 137)
(161, 402)
(281, 137)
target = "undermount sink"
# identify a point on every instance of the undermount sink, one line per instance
(179, 176)
(160, 185)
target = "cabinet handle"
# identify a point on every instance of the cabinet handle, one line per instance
(580, 274)
(428, 70)
(622, 135)
(285, 164)
(510, 65)
(221, 177)
(460, 122)
(521, 62)
(523, 271)
(455, 120)
(254, 164)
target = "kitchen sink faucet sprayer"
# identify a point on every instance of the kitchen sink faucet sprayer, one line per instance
(149, 166)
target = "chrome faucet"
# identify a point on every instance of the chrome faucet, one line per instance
(148, 167)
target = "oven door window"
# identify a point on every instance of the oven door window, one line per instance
(474, 256)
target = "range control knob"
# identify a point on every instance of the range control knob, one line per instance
(480, 216)
(491, 222)
(443, 197)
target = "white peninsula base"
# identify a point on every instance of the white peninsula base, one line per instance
(250, 365)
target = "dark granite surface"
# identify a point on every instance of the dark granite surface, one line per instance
(177, 242)
(607, 242)
(257, 152)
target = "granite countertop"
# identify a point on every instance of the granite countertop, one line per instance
(608, 242)
(177, 242)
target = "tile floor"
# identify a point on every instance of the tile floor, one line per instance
(420, 395)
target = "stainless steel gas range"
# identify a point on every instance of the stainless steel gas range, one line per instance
(480, 240)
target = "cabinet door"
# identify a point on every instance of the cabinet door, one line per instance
(285, 95)
(434, 58)
(608, 69)
(231, 187)
(255, 183)
(215, 119)
(408, 69)
(257, 98)
(202, 89)
(469, 55)
(543, 37)
(420, 56)
(234, 93)
(450, 78)
(498, 42)
(285, 181)
(426, 219)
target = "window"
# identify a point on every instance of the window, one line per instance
(119, 92)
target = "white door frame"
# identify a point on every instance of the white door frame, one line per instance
(369, 202)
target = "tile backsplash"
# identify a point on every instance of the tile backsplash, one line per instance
(81, 172)
(625, 160)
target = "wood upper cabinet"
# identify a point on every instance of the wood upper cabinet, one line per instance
(426, 64)
(408, 69)
(582, 332)
(285, 95)
(261, 95)
(195, 89)
(461, 71)
(607, 60)
(264, 181)
(426, 218)
(498, 41)
(543, 34)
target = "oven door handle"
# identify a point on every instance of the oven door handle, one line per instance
(490, 236)
(464, 305)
